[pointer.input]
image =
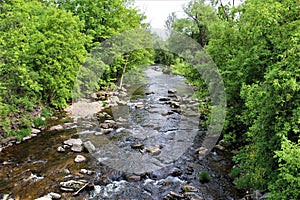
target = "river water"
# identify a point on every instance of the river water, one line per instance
(149, 154)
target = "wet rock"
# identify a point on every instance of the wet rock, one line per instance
(173, 196)
(7, 163)
(79, 159)
(164, 99)
(54, 195)
(176, 172)
(113, 100)
(73, 141)
(140, 106)
(189, 188)
(219, 147)
(122, 103)
(149, 93)
(154, 150)
(86, 171)
(35, 131)
(106, 131)
(133, 178)
(174, 104)
(34, 178)
(67, 125)
(72, 185)
(172, 91)
(56, 128)
(89, 146)
(60, 149)
(47, 197)
(137, 146)
(192, 196)
(202, 152)
(77, 148)
(26, 138)
(121, 120)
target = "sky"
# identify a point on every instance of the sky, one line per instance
(157, 11)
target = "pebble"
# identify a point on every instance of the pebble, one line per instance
(79, 159)
(60, 149)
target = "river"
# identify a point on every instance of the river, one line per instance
(150, 151)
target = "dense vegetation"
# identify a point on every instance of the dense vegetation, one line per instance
(256, 47)
(43, 45)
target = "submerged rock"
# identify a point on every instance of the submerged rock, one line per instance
(72, 185)
(89, 146)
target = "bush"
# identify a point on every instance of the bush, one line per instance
(204, 177)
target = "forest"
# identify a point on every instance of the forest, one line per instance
(255, 46)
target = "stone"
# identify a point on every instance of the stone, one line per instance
(173, 196)
(174, 104)
(54, 195)
(72, 185)
(172, 91)
(35, 131)
(154, 150)
(137, 146)
(122, 103)
(140, 106)
(56, 128)
(219, 147)
(79, 159)
(133, 178)
(189, 188)
(202, 151)
(164, 99)
(77, 148)
(60, 149)
(26, 138)
(176, 172)
(86, 171)
(73, 141)
(113, 100)
(192, 196)
(47, 197)
(89, 146)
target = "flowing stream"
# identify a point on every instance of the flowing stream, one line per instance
(149, 152)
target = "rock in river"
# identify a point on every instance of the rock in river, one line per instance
(79, 159)
(73, 141)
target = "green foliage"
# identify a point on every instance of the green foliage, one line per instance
(204, 177)
(37, 121)
(256, 47)
(42, 50)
